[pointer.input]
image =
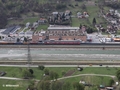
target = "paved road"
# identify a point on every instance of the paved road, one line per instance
(61, 65)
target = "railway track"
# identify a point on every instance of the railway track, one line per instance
(88, 62)
(64, 46)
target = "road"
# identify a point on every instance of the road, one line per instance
(60, 65)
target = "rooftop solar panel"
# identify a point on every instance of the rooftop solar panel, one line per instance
(10, 30)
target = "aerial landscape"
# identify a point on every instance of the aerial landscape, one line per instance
(59, 44)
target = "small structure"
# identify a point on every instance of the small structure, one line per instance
(116, 39)
(42, 21)
(79, 68)
(27, 24)
(55, 13)
(82, 15)
(109, 88)
(79, 15)
(2, 73)
(67, 12)
(102, 87)
(117, 83)
(83, 82)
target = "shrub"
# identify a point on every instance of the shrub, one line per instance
(41, 67)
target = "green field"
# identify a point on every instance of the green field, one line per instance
(38, 74)
(20, 85)
(16, 71)
(42, 27)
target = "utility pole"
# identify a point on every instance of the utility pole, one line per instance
(29, 55)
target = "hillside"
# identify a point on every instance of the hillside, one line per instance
(22, 11)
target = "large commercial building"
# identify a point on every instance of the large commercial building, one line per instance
(64, 33)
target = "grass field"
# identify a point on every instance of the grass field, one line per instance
(31, 20)
(98, 70)
(16, 71)
(38, 74)
(20, 85)
(43, 26)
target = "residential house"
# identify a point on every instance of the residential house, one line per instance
(42, 21)
(82, 15)
(67, 13)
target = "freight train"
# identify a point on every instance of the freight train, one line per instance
(46, 42)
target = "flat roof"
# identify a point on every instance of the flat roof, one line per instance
(10, 30)
(63, 28)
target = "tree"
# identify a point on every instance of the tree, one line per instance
(80, 26)
(25, 39)
(46, 85)
(66, 86)
(118, 74)
(31, 86)
(111, 82)
(78, 86)
(41, 67)
(43, 85)
(31, 71)
(56, 75)
(53, 75)
(94, 21)
(89, 30)
(58, 85)
(46, 71)
(18, 40)
(83, 6)
(26, 73)
(63, 73)
(52, 86)
(3, 19)
(40, 85)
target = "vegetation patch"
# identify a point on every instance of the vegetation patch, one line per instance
(69, 73)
